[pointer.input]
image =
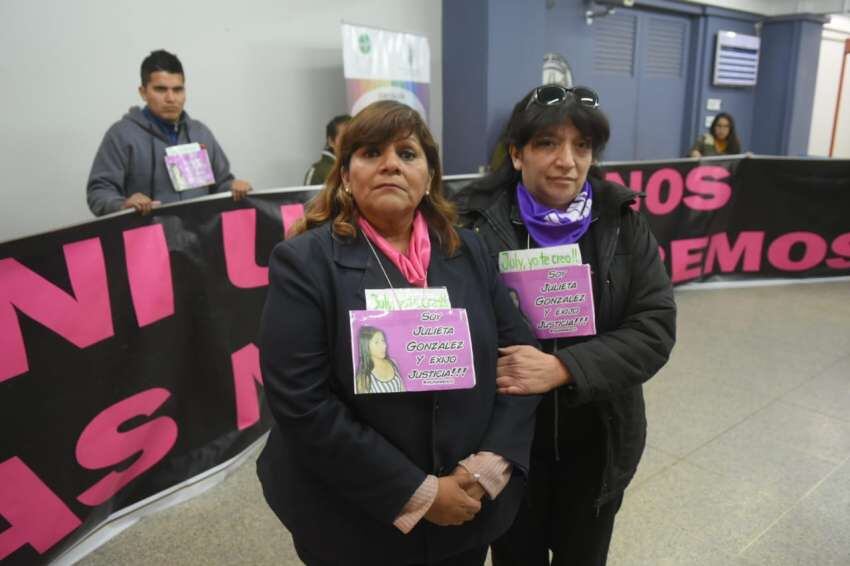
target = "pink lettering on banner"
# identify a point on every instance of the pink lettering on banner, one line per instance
(239, 230)
(712, 194)
(747, 247)
(686, 258)
(840, 247)
(814, 251)
(246, 372)
(289, 214)
(149, 272)
(673, 180)
(102, 445)
(35, 514)
(635, 183)
(83, 318)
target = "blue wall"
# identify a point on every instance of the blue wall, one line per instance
(516, 59)
(465, 88)
(493, 53)
(809, 34)
(737, 101)
(567, 33)
(786, 86)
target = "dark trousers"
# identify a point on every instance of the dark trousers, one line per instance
(473, 557)
(560, 513)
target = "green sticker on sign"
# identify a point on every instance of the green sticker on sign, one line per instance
(539, 258)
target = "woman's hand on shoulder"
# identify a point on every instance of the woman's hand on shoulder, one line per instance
(525, 370)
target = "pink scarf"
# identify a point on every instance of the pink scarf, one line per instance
(413, 264)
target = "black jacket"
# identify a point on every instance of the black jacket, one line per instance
(338, 468)
(635, 320)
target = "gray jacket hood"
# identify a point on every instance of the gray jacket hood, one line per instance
(136, 115)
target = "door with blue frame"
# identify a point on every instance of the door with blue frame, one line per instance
(641, 62)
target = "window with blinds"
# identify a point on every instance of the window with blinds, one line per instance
(665, 49)
(614, 44)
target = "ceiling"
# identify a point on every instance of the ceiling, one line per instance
(780, 7)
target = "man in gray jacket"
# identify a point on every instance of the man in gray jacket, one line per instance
(129, 170)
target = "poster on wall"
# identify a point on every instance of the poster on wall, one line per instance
(379, 64)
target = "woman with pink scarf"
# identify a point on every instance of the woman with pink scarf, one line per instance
(387, 475)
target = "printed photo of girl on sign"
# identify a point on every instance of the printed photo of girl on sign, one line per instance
(376, 371)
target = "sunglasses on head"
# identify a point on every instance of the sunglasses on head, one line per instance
(555, 95)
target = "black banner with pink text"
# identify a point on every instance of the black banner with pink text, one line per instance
(128, 361)
(127, 345)
(745, 217)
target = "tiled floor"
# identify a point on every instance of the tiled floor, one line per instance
(749, 434)
(748, 457)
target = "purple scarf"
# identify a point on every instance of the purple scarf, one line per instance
(552, 227)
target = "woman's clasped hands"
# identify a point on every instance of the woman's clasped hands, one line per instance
(458, 499)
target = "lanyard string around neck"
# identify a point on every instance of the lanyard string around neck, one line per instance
(384, 271)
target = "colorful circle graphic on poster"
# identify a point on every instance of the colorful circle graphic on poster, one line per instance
(390, 92)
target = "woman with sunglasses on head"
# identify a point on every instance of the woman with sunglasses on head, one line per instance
(591, 425)
(721, 138)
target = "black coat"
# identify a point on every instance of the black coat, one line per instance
(635, 321)
(338, 468)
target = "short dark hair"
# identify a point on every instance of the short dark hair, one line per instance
(527, 120)
(160, 60)
(333, 125)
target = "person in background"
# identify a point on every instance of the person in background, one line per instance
(591, 424)
(129, 169)
(721, 138)
(320, 170)
(429, 477)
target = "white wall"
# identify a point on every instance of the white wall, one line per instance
(756, 6)
(826, 92)
(779, 7)
(265, 75)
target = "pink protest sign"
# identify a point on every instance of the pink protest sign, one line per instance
(411, 350)
(190, 170)
(556, 302)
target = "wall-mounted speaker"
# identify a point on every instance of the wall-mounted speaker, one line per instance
(736, 60)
